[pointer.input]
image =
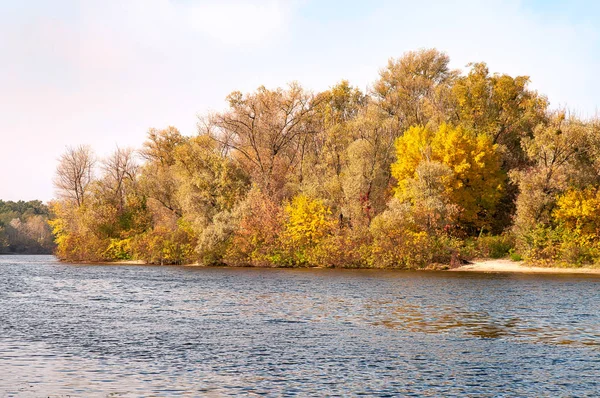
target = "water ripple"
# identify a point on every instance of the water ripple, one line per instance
(170, 331)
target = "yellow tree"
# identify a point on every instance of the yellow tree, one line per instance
(307, 222)
(501, 107)
(579, 210)
(476, 180)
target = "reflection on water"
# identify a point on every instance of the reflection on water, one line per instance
(171, 331)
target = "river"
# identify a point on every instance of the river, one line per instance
(128, 331)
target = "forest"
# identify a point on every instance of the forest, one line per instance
(429, 167)
(24, 228)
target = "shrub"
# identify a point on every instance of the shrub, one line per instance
(118, 249)
(495, 246)
(514, 256)
(344, 249)
(163, 246)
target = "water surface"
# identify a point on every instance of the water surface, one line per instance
(83, 330)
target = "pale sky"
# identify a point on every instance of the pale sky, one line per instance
(101, 72)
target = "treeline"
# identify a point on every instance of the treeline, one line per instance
(430, 166)
(24, 228)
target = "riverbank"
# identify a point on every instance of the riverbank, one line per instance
(481, 265)
(519, 267)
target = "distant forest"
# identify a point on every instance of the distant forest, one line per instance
(24, 228)
(430, 165)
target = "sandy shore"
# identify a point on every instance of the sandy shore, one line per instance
(485, 265)
(120, 262)
(520, 267)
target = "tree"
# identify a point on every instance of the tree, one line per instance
(578, 210)
(74, 174)
(410, 173)
(256, 239)
(160, 146)
(561, 155)
(24, 227)
(366, 174)
(120, 174)
(501, 107)
(415, 88)
(326, 155)
(307, 222)
(208, 181)
(157, 177)
(477, 180)
(430, 205)
(266, 132)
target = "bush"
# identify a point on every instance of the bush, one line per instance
(118, 249)
(345, 249)
(514, 256)
(495, 246)
(162, 246)
(547, 245)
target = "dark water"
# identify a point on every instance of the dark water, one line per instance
(69, 330)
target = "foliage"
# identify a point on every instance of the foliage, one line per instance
(307, 222)
(501, 107)
(118, 249)
(415, 88)
(24, 227)
(495, 246)
(548, 245)
(514, 256)
(256, 240)
(475, 181)
(344, 248)
(579, 210)
(162, 246)
(396, 243)
(408, 174)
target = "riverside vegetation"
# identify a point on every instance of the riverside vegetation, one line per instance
(24, 228)
(430, 166)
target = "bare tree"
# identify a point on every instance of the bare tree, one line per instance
(74, 173)
(119, 168)
(266, 131)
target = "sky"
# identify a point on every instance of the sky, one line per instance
(102, 72)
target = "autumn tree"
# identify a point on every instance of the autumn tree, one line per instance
(307, 222)
(119, 175)
(209, 182)
(415, 88)
(160, 145)
(74, 174)
(409, 173)
(266, 132)
(431, 205)
(476, 182)
(578, 210)
(559, 151)
(255, 240)
(157, 176)
(24, 227)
